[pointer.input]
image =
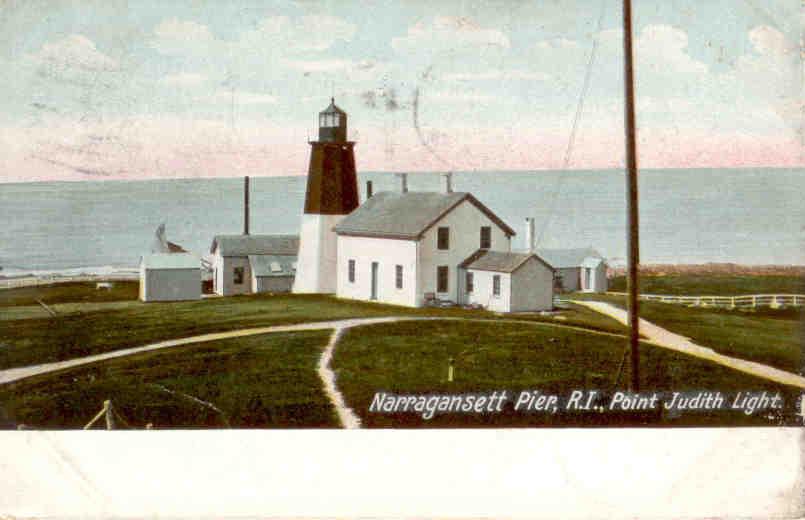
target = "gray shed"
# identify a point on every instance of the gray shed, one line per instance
(272, 273)
(170, 277)
(581, 269)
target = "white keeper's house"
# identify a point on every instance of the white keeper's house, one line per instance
(406, 248)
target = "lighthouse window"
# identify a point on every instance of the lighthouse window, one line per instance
(443, 238)
(351, 270)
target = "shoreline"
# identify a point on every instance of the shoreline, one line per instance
(712, 268)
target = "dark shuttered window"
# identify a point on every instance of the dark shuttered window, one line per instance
(238, 275)
(470, 286)
(443, 238)
(398, 276)
(496, 285)
(351, 270)
(442, 274)
(486, 237)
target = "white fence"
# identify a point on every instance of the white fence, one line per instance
(749, 300)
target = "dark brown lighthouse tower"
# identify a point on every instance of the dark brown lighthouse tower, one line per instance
(332, 184)
(332, 193)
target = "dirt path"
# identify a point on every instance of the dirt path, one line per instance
(667, 339)
(345, 414)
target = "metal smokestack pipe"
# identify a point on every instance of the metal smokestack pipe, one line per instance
(246, 205)
(368, 189)
(448, 182)
(403, 182)
(530, 235)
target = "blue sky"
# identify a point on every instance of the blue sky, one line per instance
(161, 89)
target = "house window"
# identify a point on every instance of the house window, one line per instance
(443, 238)
(496, 285)
(351, 271)
(442, 274)
(398, 276)
(238, 275)
(469, 283)
(486, 237)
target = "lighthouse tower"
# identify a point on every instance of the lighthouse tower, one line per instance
(332, 194)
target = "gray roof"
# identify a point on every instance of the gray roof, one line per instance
(498, 261)
(245, 245)
(272, 265)
(171, 261)
(407, 215)
(561, 258)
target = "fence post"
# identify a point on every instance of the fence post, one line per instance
(110, 420)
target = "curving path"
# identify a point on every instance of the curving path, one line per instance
(667, 339)
(345, 414)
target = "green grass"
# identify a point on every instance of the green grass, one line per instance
(267, 381)
(91, 328)
(412, 358)
(714, 285)
(73, 292)
(769, 336)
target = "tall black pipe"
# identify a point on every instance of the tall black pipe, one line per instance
(246, 205)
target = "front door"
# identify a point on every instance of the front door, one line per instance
(374, 280)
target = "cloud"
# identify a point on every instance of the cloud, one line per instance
(305, 33)
(769, 41)
(184, 79)
(177, 37)
(498, 75)
(75, 52)
(555, 44)
(448, 33)
(241, 98)
(317, 65)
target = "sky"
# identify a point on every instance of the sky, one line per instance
(105, 89)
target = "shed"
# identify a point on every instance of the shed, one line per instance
(507, 282)
(580, 269)
(232, 272)
(170, 277)
(272, 273)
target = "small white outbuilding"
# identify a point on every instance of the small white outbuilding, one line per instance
(507, 282)
(166, 277)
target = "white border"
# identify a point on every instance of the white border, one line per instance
(559, 473)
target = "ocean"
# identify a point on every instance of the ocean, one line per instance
(748, 216)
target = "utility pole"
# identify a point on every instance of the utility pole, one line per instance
(633, 236)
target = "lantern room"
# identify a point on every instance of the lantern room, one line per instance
(332, 124)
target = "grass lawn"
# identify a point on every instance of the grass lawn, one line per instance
(412, 358)
(769, 336)
(27, 337)
(267, 381)
(714, 285)
(69, 292)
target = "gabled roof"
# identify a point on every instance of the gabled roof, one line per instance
(407, 215)
(272, 265)
(499, 261)
(245, 245)
(171, 261)
(562, 258)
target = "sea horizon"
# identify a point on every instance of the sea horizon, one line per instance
(747, 216)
